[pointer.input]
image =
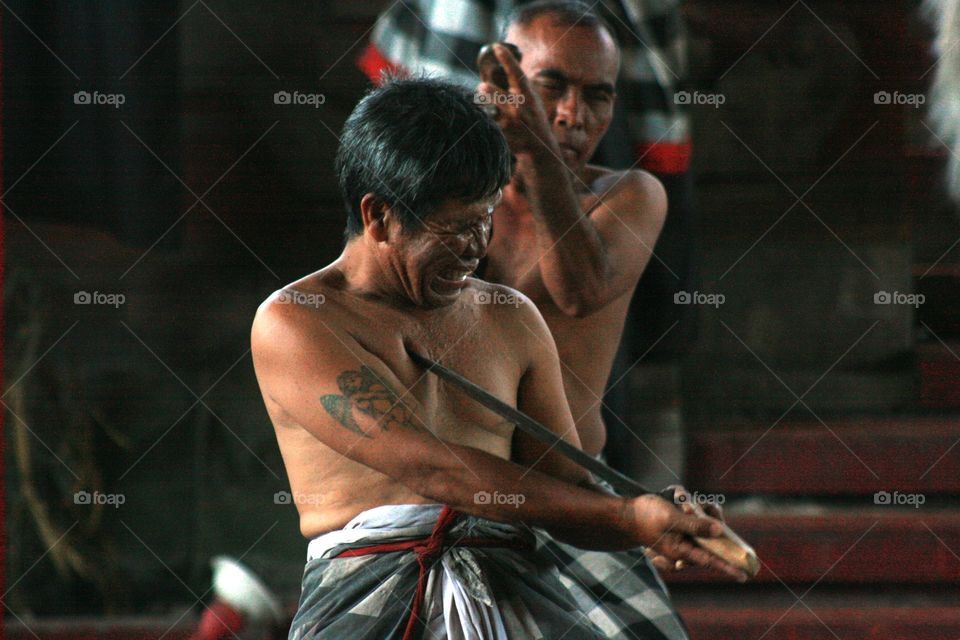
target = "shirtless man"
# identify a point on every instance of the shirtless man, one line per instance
(574, 237)
(378, 451)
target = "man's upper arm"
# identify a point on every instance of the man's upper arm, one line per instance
(341, 394)
(541, 396)
(629, 222)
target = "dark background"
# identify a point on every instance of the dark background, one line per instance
(156, 399)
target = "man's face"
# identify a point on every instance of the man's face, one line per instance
(574, 70)
(434, 260)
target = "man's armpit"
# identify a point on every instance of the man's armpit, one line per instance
(364, 391)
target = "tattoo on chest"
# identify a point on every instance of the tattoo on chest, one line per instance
(365, 392)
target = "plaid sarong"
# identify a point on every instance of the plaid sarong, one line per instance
(443, 37)
(620, 592)
(354, 589)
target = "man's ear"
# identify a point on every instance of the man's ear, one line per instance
(375, 213)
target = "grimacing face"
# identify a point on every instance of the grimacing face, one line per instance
(574, 69)
(434, 260)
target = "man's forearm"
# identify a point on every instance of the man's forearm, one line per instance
(484, 485)
(573, 262)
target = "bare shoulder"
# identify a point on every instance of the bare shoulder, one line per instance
(514, 315)
(633, 191)
(288, 316)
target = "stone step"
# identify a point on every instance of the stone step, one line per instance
(896, 545)
(847, 457)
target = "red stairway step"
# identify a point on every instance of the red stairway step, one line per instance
(840, 547)
(858, 457)
(939, 375)
(882, 623)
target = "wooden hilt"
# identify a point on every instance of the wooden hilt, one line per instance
(730, 547)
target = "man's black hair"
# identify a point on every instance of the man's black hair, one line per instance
(565, 13)
(416, 143)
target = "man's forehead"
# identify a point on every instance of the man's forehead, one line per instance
(454, 209)
(581, 52)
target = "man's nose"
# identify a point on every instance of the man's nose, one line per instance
(570, 109)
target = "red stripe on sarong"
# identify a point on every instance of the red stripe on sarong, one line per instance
(428, 551)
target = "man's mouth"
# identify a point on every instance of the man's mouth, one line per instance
(569, 149)
(457, 275)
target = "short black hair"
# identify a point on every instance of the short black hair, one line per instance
(416, 143)
(565, 13)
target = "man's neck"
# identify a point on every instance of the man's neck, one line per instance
(365, 276)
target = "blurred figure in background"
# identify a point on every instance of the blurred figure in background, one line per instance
(945, 88)
(649, 130)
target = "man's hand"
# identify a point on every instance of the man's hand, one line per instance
(668, 533)
(520, 112)
(685, 500)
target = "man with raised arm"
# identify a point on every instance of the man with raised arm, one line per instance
(417, 501)
(575, 238)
